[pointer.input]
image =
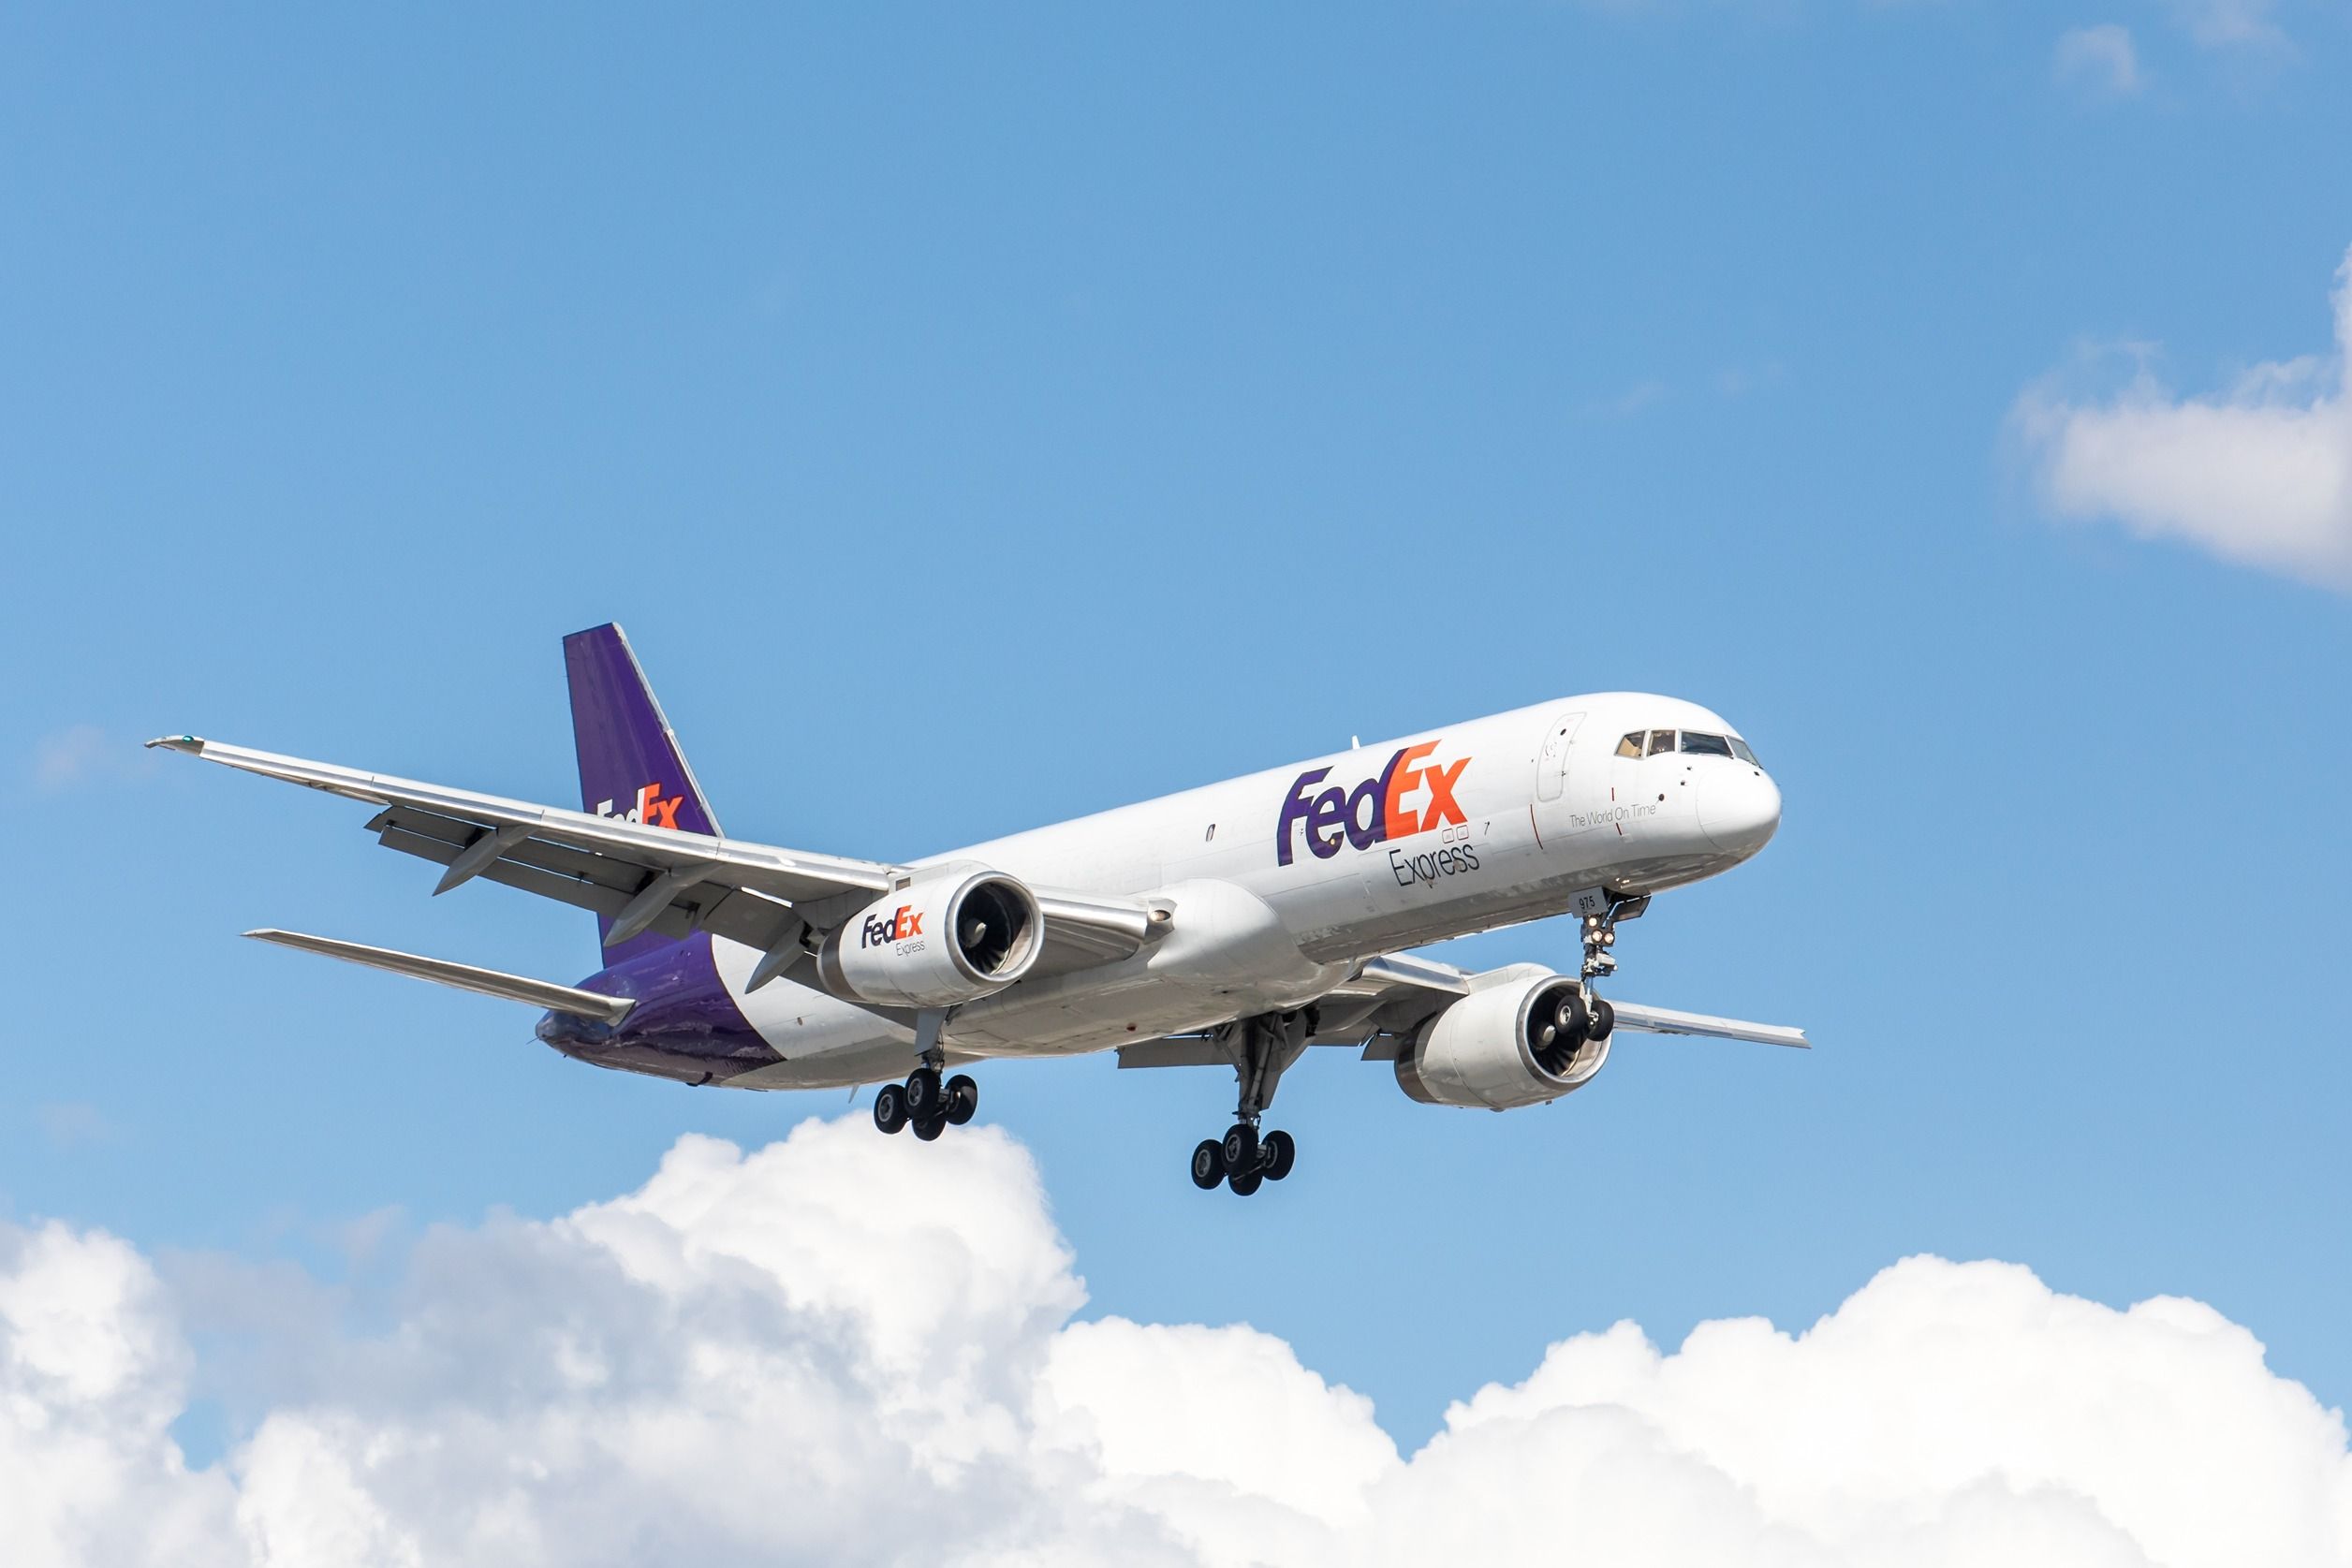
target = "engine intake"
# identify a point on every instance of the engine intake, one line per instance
(1520, 1042)
(948, 937)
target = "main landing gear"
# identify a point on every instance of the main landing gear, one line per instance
(1241, 1161)
(923, 1101)
(1262, 1049)
(926, 1103)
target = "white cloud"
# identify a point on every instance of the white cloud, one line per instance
(2260, 474)
(2225, 24)
(849, 1349)
(2102, 57)
(80, 754)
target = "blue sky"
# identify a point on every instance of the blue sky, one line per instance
(1254, 379)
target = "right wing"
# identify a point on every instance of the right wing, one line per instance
(651, 878)
(1393, 995)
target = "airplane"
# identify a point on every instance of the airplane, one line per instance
(1234, 924)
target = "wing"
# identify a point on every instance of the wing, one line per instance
(650, 878)
(1391, 996)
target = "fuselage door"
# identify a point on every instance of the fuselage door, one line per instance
(1551, 764)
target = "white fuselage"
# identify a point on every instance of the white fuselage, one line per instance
(1281, 881)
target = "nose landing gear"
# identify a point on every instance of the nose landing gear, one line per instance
(1262, 1047)
(1601, 935)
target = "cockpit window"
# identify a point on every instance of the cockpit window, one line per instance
(1631, 744)
(1708, 745)
(1740, 749)
(1661, 741)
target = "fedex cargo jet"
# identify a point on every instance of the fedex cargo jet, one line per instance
(1235, 925)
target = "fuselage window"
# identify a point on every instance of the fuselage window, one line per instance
(1630, 745)
(1661, 741)
(1740, 749)
(1708, 745)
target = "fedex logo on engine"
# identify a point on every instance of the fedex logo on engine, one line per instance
(905, 923)
(1376, 810)
(648, 808)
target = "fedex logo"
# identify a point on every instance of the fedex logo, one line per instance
(877, 932)
(1375, 810)
(648, 808)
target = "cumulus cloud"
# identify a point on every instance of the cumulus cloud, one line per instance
(2262, 473)
(847, 1349)
(2101, 57)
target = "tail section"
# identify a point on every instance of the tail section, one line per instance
(630, 764)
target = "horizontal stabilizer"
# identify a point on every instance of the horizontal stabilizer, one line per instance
(464, 976)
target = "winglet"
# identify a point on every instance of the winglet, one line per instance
(191, 744)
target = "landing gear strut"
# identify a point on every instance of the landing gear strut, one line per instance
(1262, 1047)
(1601, 935)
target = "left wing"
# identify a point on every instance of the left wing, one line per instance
(648, 878)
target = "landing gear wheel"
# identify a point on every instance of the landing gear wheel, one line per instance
(1240, 1148)
(1280, 1153)
(1208, 1165)
(1603, 1020)
(922, 1094)
(963, 1098)
(930, 1127)
(890, 1107)
(1246, 1182)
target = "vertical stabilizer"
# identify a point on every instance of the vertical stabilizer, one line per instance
(630, 763)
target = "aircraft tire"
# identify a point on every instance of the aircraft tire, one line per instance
(1246, 1182)
(1281, 1153)
(922, 1093)
(963, 1098)
(1208, 1165)
(930, 1127)
(1603, 1020)
(1241, 1147)
(890, 1107)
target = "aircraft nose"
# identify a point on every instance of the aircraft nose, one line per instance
(1739, 809)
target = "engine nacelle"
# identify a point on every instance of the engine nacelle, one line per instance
(952, 935)
(1519, 1042)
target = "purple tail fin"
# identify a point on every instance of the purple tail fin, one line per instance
(631, 764)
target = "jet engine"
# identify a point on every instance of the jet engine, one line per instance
(952, 935)
(1519, 1042)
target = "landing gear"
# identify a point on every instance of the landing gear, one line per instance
(1268, 1161)
(925, 1104)
(1262, 1049)
(1601, 935)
